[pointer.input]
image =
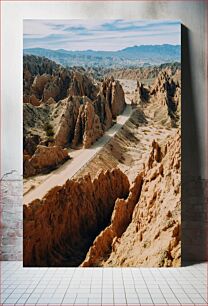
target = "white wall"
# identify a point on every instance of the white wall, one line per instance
(191, 14)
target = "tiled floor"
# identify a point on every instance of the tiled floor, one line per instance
(97, 286)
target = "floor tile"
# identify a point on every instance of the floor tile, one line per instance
(136, 286)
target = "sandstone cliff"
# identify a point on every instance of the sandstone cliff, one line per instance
(114, 94)
(44, 79)
(63, 118)
(141, 93)
(65, 107)
(88, 126)
(82, 86)
(162, 98)
(44, 159)
(59, 229)
(145, 228)
(116, 225)
(102, 219)
(102, 109)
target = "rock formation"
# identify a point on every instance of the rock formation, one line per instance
(44, 79)
(34, 121)
(121, 217)
(50, 101)
(44, 159)
(59, 229)
(39, 83)
(141, 93)
(51, 90)
(115, 225)
(102, 219)
(88, 127)
(114, 94)
(34, 100)
(142, 73)
(30, 144)
(64, 117)
(164, 97)
(167, 90)
(64, 106)
(145, 228)
(102, 109)
(82, 86)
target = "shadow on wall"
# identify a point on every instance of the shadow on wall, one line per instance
(194, 208)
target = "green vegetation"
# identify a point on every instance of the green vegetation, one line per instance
(49, 129)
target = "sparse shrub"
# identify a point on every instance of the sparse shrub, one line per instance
(49, 129)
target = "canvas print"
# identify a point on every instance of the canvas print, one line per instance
(102, 143)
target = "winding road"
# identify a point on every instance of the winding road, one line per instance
(79, 159)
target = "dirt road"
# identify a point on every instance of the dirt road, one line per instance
(79, 159)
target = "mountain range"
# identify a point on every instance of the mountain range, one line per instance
(143, 55)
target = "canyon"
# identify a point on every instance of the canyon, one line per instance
(120, 224)
(145, 227)
(123, 207)
(63, 108)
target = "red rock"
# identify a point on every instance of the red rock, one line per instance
(142, 230)
(34, 101)
(114, 94)
(59, 228)
(44, 159)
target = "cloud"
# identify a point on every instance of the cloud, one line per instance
(124, 25)
(99, 35)
(75, 29)
(57, 26)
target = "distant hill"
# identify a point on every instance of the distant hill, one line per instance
(143, 55)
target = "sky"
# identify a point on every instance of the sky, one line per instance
(109, 35)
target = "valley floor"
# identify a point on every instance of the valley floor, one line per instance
(38, 186)
(130, 147)
(126, 216)
(125, 145)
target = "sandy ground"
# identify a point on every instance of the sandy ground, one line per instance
(130, 147)
(38, 186)
(126, 145)
(30, 184)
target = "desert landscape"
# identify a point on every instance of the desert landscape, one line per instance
(102, 157)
